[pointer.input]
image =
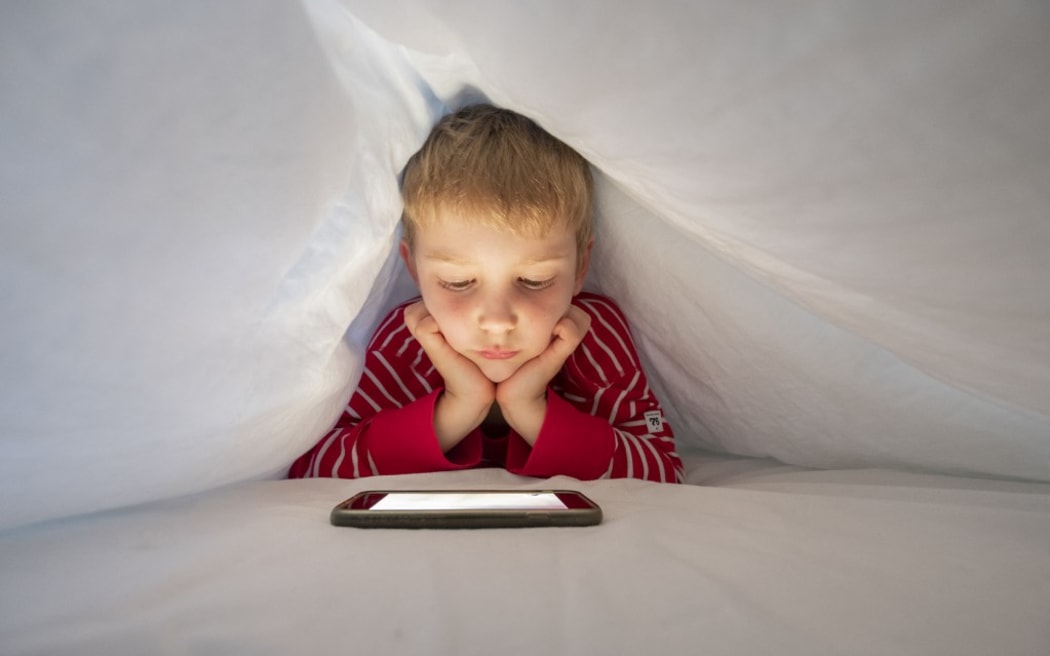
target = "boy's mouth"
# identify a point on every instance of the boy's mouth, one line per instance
(497, 354)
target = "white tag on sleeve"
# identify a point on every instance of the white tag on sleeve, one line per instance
(654, 421)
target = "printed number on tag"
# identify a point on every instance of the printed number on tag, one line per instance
(654, 421)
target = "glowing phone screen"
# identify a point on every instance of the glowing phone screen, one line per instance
(469, 501)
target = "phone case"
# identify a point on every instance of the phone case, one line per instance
(588, 513)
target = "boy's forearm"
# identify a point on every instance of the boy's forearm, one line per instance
(526, 418)
(573, 443)
(455, 418)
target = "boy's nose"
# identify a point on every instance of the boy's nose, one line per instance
(496, 314)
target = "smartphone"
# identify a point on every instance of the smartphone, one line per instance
(466, 509)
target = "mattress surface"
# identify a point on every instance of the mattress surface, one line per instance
(761, 558)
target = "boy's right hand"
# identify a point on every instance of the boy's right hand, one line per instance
(468, 392)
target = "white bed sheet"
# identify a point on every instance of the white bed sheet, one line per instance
(763, 559)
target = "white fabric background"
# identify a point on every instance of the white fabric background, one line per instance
(827, 221)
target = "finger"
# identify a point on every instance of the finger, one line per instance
(428, 333)
(575, 322)
(558, 352)
(429, 336)
(420, 322)
(414, 313)
(580, 318)
(572, 327)
(428, 325)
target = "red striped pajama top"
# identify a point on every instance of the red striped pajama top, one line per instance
(602, 419)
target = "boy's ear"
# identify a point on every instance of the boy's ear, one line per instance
(584, 265)
(410, 263)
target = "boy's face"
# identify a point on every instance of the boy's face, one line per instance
(495, 295)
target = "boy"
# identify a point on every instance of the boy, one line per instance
(504, 361)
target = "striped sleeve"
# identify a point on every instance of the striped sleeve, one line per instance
(626, 434)
(387, 426)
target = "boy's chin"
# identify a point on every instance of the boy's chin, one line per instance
(498, 377)
(498, 373)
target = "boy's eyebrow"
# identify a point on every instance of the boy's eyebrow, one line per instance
(444, 257)
(452, 259)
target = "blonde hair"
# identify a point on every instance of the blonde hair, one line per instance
(501, 168)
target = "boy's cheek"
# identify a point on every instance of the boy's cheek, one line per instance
(452, 333)
(435, 306)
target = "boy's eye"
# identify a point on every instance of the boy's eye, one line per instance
(456, 285)
(536, 285)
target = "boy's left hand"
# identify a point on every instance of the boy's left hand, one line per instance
(523, 397)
